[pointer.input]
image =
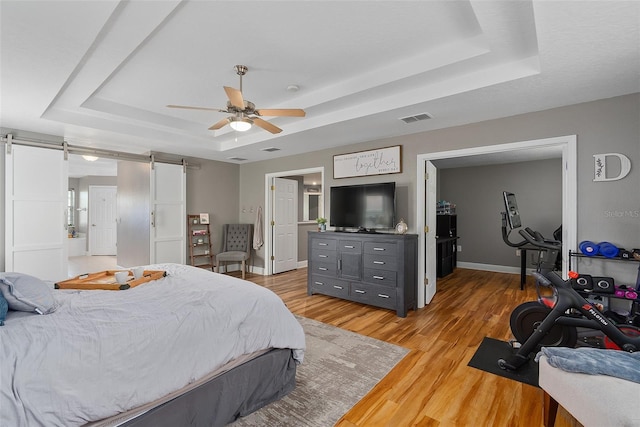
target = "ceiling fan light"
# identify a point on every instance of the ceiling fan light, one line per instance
(89, 158)
(240, 124)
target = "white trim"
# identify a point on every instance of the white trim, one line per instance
(568, 145)
(303, 264)
(268, 202)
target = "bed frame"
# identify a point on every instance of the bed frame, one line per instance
(223, 399)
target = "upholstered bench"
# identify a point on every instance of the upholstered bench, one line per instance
(593, 400)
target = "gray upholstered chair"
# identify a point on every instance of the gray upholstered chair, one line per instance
(236, 246)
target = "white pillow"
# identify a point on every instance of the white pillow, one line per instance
(26, 293)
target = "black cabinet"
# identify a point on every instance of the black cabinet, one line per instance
(446, 242)
(374, 269)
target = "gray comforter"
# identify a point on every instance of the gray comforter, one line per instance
(104, 352)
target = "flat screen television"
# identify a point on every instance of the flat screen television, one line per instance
(367, 207)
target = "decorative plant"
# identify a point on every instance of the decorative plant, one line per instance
(322, 223)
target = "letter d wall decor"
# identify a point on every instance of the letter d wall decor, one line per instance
(601, 166)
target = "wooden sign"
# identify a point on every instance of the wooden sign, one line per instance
(380, 161)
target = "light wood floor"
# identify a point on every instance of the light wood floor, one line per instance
(432, 385)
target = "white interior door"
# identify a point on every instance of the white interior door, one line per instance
(168, 213)
(430, 235)
(102, 220)
(36, 182)
(285, 229)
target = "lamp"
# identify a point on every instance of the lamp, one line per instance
(89, 158)
(239, 123)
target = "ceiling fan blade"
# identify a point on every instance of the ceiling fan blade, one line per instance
(220, 124)
(235, 97)
(186, 107)
(265, 125)
(289, 112)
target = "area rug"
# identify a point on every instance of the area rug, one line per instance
(339, 369)
(486, 359)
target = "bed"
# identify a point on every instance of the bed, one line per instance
(193, 348)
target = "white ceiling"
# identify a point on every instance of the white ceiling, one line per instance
(100, 73)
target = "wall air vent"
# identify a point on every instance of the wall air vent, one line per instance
(239, 159)
(416, 118)
(270, 149)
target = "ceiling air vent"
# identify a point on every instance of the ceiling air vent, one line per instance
(271, 149)
(416, 118)
(239, 159)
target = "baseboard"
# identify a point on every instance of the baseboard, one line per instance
(491, 267)
(303, 264)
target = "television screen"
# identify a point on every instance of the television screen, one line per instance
(365, 206)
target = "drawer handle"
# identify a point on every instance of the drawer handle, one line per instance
(378, 249)
(323, 256)
(322, 244)
(322, 268)
(379, 262)
(360, 291)
(383, 296)
(319, 283)
(379, 277)
(338, 287)
(348, 246)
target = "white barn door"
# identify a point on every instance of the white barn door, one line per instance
(36, 182)
(168, 213)
(285, 229)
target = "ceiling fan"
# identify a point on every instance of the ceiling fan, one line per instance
(244, 113)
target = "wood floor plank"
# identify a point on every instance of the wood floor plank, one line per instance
(432, 385)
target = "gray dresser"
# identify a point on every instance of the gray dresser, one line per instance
(376, 269)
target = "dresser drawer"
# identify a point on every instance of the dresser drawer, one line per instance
(380, 262)
(319, 243)
(328, 286)
(324, 256)
(379, 277)
(350, 246)
(381, 248)
(380, 296)
(324, 268)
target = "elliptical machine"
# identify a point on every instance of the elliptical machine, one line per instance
(552, 320)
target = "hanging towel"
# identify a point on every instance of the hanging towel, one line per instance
(257, 234)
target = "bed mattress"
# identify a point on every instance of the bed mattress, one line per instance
(102, 353)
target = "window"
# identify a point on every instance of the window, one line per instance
(71, 207)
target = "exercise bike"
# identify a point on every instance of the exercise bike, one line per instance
(553, 320)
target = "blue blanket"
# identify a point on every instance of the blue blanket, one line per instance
(594, 361)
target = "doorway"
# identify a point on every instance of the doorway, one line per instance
(93, 200)
(269, 241)
(564, 147)
(102, 220)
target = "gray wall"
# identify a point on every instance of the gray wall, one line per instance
(606, 210)
(477, 193)
(609, 125)
(214, 188)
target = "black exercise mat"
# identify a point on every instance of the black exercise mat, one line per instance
(486, 359)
